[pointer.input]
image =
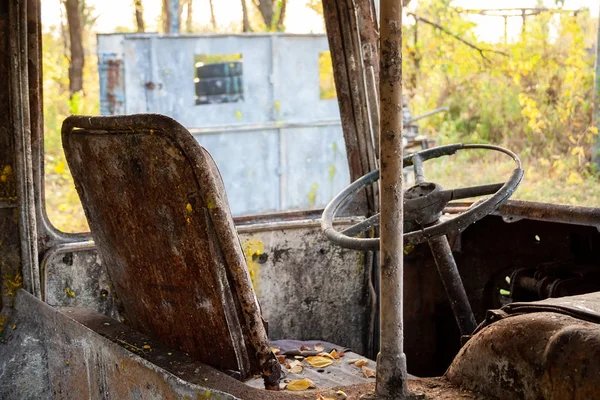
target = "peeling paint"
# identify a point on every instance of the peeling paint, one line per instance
(312, 195)
(253, 250)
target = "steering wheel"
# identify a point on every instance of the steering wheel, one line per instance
(424, 202)
(423, 206)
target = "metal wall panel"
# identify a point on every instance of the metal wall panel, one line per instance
(316, 166)
(280, 148)
(249, 165)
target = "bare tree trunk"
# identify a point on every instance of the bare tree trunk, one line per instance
(74, 20)
(166, 16)
(213, 19)
(245, 19)
(139, 15)
(280, 20)
(189, 21)
(266, 11)
(171, 16)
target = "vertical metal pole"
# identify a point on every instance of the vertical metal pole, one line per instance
(596, 149)
(391, 361)
(174, 20)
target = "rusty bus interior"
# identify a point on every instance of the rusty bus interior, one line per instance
(506, 307)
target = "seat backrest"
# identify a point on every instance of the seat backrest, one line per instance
(158, 212)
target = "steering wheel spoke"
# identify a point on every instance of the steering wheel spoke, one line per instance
(417, 163)
(471, 191)
(362, 226)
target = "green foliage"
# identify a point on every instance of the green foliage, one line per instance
(536, 99)
(62, 201)
(326, 80)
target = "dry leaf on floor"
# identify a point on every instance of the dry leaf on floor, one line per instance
(320, 397)
(368, 372)
(281, 358)
(319, 361)
(341, 394)
(352, 360)
(300, 384)
(360, 363)
(295, 367)
(334, 354)
(323, 354)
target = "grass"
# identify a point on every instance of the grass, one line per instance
(468, 168)
(541, 183)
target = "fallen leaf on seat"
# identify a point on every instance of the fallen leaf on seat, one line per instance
(304, 348)
(300, 384)
(360, 363)
(352, 360)
(275, 350)
(281, 358)
(335, 354)
(328, 355)
(320, 397)
(368, 372)
(319, 347)
(296, 367)
(319, 361)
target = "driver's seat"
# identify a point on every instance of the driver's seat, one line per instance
(158, 212)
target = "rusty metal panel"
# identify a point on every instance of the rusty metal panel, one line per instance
(77, 278)
(308, 288)
(47, 355)
(112, 84)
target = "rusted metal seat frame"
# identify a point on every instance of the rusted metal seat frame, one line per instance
(253, 327)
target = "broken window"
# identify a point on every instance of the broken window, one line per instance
(218, 78)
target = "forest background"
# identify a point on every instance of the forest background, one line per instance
(528, 88)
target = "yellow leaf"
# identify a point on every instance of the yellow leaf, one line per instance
(59, 168)
(327, 355)
(368, 372)
(319, 361)
(300, 384)
(275, 350)
(341, 394)
(361, 363)
(296, 367)
(574, 179)
(578, 151)
(321, 397)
